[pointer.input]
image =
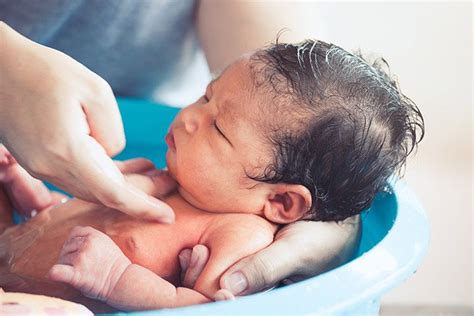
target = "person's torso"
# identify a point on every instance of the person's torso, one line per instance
(139, 46)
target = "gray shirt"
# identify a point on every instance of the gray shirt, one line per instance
(143, 48)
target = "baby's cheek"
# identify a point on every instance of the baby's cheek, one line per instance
(208, 176)
(193, 170)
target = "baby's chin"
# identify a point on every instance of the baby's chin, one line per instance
(171, 167)
(188, 197)
(172, 172)
(201, 202)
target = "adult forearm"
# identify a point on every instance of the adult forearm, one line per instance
(141, 289)
(7, 40)
(228, 29)
(4, 28)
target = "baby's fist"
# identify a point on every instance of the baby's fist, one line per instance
(91, 262)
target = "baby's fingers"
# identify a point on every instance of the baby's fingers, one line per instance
(70, 258)
(196, 264)
(72, 245)
(62, 273)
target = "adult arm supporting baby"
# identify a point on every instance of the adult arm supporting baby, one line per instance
(310, 248)
(300, 250)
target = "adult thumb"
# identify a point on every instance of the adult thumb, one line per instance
(259, 271)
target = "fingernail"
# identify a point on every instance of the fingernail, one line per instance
(166, 216)
(160, 218)
(223, 295)
(219, 297)
(166, 220)
(236, 283)
(194, 259)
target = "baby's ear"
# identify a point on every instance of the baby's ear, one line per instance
(287, 203)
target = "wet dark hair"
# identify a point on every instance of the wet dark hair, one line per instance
(351, 127)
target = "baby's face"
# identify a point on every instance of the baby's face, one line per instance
(216, 140)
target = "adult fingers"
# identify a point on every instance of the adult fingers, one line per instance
(58, 198)
(5, 157)
(6, 218)
(260, 270)
(5, 205)
(197, 262)
(136, 165)
(223, 295)
(93, 176)
(162, 181)
(321, 245)
(103, 117)
(300, 250)
(26, 193)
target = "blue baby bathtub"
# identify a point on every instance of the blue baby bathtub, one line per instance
(395, 234)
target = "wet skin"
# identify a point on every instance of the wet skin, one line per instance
(29, 250)
(214, 144)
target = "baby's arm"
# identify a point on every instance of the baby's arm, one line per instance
(91, 262)
(140, 289)
(231, 240)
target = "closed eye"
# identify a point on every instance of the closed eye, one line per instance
(222, 134)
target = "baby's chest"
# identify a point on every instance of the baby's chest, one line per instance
(153, 246)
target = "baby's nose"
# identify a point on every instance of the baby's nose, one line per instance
(190, 118)
(191, 126)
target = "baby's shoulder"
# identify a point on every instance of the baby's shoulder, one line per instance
(243, 227)
(235, 221)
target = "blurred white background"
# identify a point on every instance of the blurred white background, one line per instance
(429, 47)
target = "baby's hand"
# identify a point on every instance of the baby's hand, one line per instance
(91, 262)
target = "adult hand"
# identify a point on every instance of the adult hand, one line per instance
(300, 250)
(20, 190)
(61, 123)
(27, 195)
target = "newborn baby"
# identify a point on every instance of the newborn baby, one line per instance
(287, 133)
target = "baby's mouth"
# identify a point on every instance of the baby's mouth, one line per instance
(169, 139)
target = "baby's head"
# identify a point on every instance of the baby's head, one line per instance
(293, 131)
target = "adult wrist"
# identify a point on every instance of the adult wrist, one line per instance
(14, 62)
(6, 41)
